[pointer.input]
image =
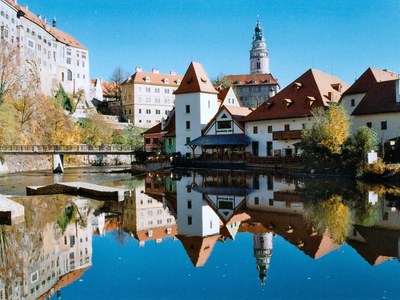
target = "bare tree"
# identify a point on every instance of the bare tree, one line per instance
(117, 78)
(18, 77)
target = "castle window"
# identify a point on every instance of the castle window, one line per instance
(352, 102)
(188, 109)
(384, 125)
(69, 75)
(255, 129)
(188, 125)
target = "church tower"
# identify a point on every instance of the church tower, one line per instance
(259, 61)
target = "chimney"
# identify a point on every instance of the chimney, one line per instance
(138, 69)
(54, 22)
(172, 72)
(398, 91)
(162, 123)
(155, 71)
(26, 7)
(39, 16)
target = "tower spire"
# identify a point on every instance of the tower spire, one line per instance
(259, 61)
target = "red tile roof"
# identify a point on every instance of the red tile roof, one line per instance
(251, 79)
(154, 79)
(311, 90)
(196, 81)
(199, 248)
(109, 88)
(155, 129)
(367, 80)
(381, 98)
(55, 32)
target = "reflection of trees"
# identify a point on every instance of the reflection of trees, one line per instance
(330, 214)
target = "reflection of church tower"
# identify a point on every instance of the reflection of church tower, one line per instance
(259, 61)
(262, 245)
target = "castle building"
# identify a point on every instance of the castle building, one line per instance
(59, 57)
(148, 97)
(257, 87)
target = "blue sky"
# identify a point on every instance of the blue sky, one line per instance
(341, 37)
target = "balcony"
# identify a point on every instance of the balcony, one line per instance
(286, 135)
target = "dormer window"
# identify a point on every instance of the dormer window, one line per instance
(286, 102)
(310, 100)
(297, 85)
(203, 80)
(147, 79)
(177, 81)
(269, 105)
(253, 81)
(166, 80)
(337, 87)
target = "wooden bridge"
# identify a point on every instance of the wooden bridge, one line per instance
(58, 151)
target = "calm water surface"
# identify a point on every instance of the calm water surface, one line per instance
(203, 235)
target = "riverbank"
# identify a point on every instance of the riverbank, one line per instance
(25, 163)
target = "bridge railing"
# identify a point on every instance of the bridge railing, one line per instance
(66, 148)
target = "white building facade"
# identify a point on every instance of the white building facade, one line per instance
(59, 57)
(148, 97)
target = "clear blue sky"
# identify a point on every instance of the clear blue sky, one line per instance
(341, 37)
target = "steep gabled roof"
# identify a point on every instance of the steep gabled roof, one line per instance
(199, 248)
(381, 98)
(251, 79)
(196, 81)
(311, 90)
(237, 114)
(368, 79)
(155, 129)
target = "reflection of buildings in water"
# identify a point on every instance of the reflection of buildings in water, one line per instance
(262, 246)
(207, 212)
(375, 245)
(270, 194)
(148, 215)
(61, 258)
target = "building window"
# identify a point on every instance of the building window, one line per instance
(62, 76)
(157, 90)
(148, 111)
(169, 141)
(166, 91)
(224, 124)
(147, 141)
(189, 204)
(140, 110)
(256, 201)
(287, 127)
(369, 124)
(353, 102)
(187, 140)
(188, 125)
(155, 141)
(189, 220)
(255, 129)
(157, 111)
(384, 125)
(148, 90)
(69, 75)
(188, 109)
(270, 129)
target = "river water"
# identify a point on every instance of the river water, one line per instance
(202, 235)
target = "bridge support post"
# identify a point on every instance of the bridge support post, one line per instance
(58, 163)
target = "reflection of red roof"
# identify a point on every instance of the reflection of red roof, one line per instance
(157, 233)
(297, 231)
(367, 80)
(64, 281)
(199, 248)
(251, 79)
(196, 81)
(380, 244)
(311, 90)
